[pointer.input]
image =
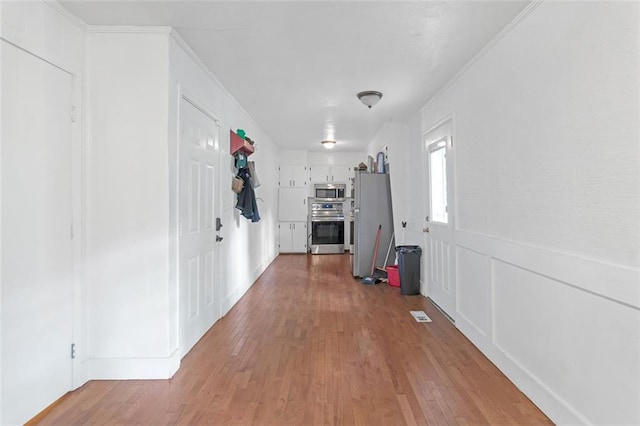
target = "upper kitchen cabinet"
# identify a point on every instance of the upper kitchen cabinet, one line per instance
(292, 176)
(332, 174)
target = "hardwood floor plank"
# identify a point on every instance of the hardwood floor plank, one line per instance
(308, 344)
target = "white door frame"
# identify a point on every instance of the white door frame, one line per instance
(217, 294)
(452, 216)
(79, 197)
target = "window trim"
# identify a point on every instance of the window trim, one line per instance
(440, 143)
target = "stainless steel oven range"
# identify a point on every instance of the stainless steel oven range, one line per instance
(326, 222)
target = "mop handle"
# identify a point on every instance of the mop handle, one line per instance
(386, 259)
(375, 251)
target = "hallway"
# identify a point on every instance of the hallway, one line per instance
(308, 344)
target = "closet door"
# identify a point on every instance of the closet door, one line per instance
(36, 235)
(198, 246)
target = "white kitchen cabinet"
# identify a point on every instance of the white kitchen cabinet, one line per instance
(340, 174)
(292, 176)
(329, 174)
(319, 174)
(292, 204)
(293, 237)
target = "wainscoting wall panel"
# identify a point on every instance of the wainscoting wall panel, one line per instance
(474, 288)
(557, 333)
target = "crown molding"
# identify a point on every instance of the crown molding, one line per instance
(196, 59)
(189, 51)
(65, 13)
(126, 29)
(494, 41)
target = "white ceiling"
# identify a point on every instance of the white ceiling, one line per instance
(296, 66)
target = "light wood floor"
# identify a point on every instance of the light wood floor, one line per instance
(307, 345)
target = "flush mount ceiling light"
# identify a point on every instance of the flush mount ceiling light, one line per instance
(328, 144)
(369, 97)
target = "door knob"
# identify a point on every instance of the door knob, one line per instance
(426, 229)
(218, 238)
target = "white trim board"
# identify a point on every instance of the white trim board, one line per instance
(613, 282)
(549, 402)
(64, 12)
(177, 38)
(560, 327)
(233, 298)
(127, 29)
(133, 368)
(501, 35)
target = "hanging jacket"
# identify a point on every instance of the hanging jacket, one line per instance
(254, 175)
(247, 197)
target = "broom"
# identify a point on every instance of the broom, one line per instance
(372, 279)
(382, 272)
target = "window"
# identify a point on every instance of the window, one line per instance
(438, 180)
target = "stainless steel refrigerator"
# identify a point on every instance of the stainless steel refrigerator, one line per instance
(372, 208)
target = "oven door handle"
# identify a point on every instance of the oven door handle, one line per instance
(328, 219)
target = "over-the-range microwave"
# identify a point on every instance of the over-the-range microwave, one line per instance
(330, 191)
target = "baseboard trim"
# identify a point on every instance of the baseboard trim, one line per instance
(237, 294)
(544, 398)
(133, 368)
(44, 413)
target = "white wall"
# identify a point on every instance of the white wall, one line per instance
(404, 176)
(337, 158)
(293, 157)
(127, 205)
(248, 248)
(47, 32)
(417, 191)
(138, 77)
(124, 184)
(329, 158)
(548, 207)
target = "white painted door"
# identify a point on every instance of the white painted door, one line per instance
(440, 262)
(198, 248)
(37, 290)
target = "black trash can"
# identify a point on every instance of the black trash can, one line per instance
(409, 269)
